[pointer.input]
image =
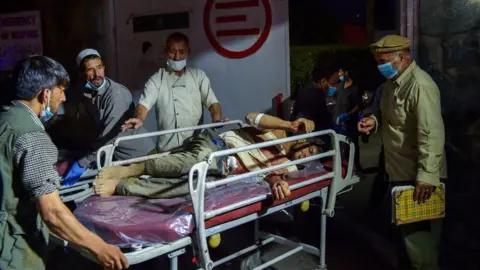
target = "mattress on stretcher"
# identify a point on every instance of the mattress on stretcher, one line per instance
(126, 220)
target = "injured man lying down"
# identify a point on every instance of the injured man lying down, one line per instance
(167, 176)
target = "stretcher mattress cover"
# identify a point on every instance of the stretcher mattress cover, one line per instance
(126, 220)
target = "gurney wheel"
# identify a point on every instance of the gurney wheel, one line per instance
(252, 261)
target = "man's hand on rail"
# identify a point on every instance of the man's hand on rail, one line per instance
(279, 187)
(222, 121)
(366, 125)
(63, 223)
(302, 124)
(132, 123)
(111, 257)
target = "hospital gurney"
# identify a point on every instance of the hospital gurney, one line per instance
(229, 214)
(138, 253)
(326, 185)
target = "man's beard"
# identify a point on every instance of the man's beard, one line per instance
(97, 81)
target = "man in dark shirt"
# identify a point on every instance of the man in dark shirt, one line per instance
(310, 101)
(349, 104)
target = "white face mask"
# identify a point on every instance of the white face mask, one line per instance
(177, 65)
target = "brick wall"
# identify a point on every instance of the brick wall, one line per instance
(450, 52)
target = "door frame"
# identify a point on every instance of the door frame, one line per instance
(409, 23)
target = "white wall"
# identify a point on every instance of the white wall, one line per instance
(241, 85)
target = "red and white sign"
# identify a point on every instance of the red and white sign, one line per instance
(221, 20)
(245, 51)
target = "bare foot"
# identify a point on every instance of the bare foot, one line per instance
(105, 188)
(121, 172)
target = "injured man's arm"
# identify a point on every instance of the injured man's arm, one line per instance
(269, 122)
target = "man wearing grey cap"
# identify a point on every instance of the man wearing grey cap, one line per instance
(410, 121)
(107, 106)
(30, 205)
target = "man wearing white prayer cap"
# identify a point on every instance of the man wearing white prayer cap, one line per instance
(107, 105)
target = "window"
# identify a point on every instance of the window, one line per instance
(161, 22)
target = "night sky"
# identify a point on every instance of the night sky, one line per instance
(353, 11)
(322, 21)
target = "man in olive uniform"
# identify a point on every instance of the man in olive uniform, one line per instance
(30, 204)
(410, 121)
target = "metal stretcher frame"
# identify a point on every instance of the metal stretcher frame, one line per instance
(198, 174)
(328, 195)
(107, 151)
(79, 191)
(141, 254)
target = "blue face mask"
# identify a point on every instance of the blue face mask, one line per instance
(46, 114)
(331, 91)
(387, 70)
(92, 87)
(342, 78)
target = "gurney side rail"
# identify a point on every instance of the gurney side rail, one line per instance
(108, 150)
(338, 182)
(198, 185)
(231, 207)
(134, 257)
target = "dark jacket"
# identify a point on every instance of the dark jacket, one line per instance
(310, 104)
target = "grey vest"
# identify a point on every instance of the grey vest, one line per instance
(23, 235)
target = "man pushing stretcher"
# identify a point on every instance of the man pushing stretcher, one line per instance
(168, 172)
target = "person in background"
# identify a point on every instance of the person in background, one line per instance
(178, 93)
(348, 105)
(380, 182)
(107, 106)
(30, 203)
(410, 122)
(311, 103)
